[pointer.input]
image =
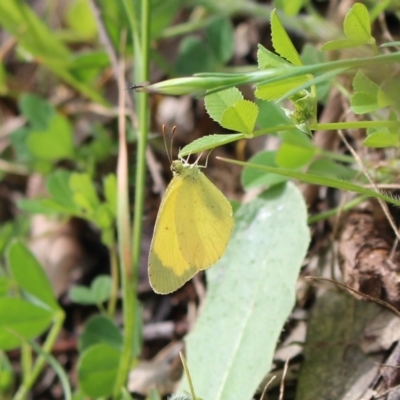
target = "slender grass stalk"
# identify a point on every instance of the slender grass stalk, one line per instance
(115, 281)
(41, 360)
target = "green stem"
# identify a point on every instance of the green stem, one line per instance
(41, 360)
(115, 281)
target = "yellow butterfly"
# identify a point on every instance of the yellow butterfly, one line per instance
(193, 228)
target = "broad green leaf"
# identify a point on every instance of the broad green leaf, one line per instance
(29, 275)
(84, 192)
(241, 302)
(217, 103)
(219, 36)
(100, 329)
(53, 143)
(252, 178)
(209, 142)
(281, 41)
(97, 370)
(240, 117)
(101, 288)
(37, 110)
(357, 25)
(23, 318)
(340, 44)
(382, 139)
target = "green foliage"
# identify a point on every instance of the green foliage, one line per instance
(357, 29)
(29, 276)
(98, 293)
(100, 329)
(105, 353)
(208, 54)
(74, 194)
(97, 370)
(20, 319)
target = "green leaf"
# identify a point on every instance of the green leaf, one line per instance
(110, 193)
(357, 28)
(97, 370)
(7, 377)
(82, 295)
(59, 188)
(271, 115)
(267, 59)
(258, 299)
(23, 318)
(100, 329)
(382, 139)
(252, 178)
(281, 41)
(37, 110)
(357, 25)
(365, 98)
(217, 103)
(79, 17)
(291, 156)
(290, 7)
(275, 90)
(240, 117)
(209, 142)
(98, 293)
(219, 36)
(194, 56)
(330, 168)
(101, 288)
(29, 275)
(53, 143)
(363, 103)
(84, 192)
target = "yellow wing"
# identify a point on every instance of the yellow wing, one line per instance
(192, 230)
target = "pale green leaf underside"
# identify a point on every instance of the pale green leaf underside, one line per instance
(251, 292)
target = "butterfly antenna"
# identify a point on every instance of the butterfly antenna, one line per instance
(169, 154)
(173, 130)
(208, 155)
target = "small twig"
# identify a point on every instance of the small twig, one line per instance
(282, 386)
(264, 392)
